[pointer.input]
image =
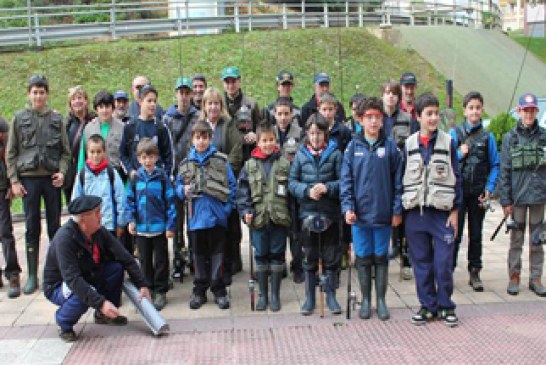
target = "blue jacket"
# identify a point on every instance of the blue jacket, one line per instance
(207, 211)
(99, 185)
(150, 202)
(371, 181)
(306, 171)
(341, 134)
(492, 153)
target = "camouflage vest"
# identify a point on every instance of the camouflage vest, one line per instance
(210, 179)
(269, 198)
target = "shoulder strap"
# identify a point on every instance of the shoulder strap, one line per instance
(111, 178)
(82, 179)
(461, 134)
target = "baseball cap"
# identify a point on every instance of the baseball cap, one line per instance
(120, 94)
(182, 82)
(284, 77)
(231, 72)
(528, 100)
(322, 77)
(408, 78)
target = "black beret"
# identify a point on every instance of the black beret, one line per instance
(84, 204)
(3, 125)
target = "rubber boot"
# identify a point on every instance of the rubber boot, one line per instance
(262, 273)
(310, 293)
(364, 268)
(381, 282)
(276, 278)
(32, 262)
(330, 289)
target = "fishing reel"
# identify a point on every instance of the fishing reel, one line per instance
(353, 300)
(511, 224)
(485, 203)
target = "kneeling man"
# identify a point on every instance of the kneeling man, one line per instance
(84, 268)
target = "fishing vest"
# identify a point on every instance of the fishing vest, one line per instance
(113, 139)
(269, 197)
(475, 167)
(431, 185)
(526, 155)
(211, 178)
(401, 129)
(40, 143)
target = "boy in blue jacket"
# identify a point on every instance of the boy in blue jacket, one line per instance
(479, 162)
(370, 192)
(262, 201)
(99, 178)
(314, 181)
(151, 216)
(207, 183)
(432, 197)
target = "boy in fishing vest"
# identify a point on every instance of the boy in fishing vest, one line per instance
(262, 201)
(522, 190)
(100, 179)
(432, 196)
(479, 163)
(370, 192)
(151, 217)
(207, 183)
(289, 135)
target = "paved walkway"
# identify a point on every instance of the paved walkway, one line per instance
(494, 327)
(483, 60)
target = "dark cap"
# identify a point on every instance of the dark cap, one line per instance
(528, 100)
(321, 78)
(408, 78)
(84, 203)
(120, 94)
(38, 80)
(284, 77)
(3, 125)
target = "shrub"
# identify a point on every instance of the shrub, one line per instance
(500, 125)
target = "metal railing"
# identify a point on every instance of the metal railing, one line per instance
(35, 26)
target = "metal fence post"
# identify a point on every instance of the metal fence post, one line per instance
(178, 21)
(187, 7)
(347, 14)
(250, 15)
(37, 30)
(237, 19)
(284, 17)
(360, 16)
(412, 16)
(326, 22)
(113, 21)
(29, 22)
(302, 14)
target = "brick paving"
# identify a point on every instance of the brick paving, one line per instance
(494, 327)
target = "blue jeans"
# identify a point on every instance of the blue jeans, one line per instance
(72, 308)
(269, 244)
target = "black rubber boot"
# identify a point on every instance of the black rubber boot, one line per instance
(262, 273)
(364, 268)
(331, 301)
(310, 293)
(381, 282)
(276, 278)
(32, 262)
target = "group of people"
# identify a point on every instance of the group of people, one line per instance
(136, 176)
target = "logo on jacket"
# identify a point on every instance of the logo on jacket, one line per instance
(381, 152)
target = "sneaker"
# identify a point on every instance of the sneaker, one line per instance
(160, 301)
(68, 335)
(223, 302)
(422, 317)
(298, 276)
(513, 284)
(536, 286)
(449, 317)
(14, 286)
(406, 273)
(197, 301)
(102, 319)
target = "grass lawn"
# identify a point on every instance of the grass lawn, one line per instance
(353, 55)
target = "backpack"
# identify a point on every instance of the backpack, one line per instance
(112, 179)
